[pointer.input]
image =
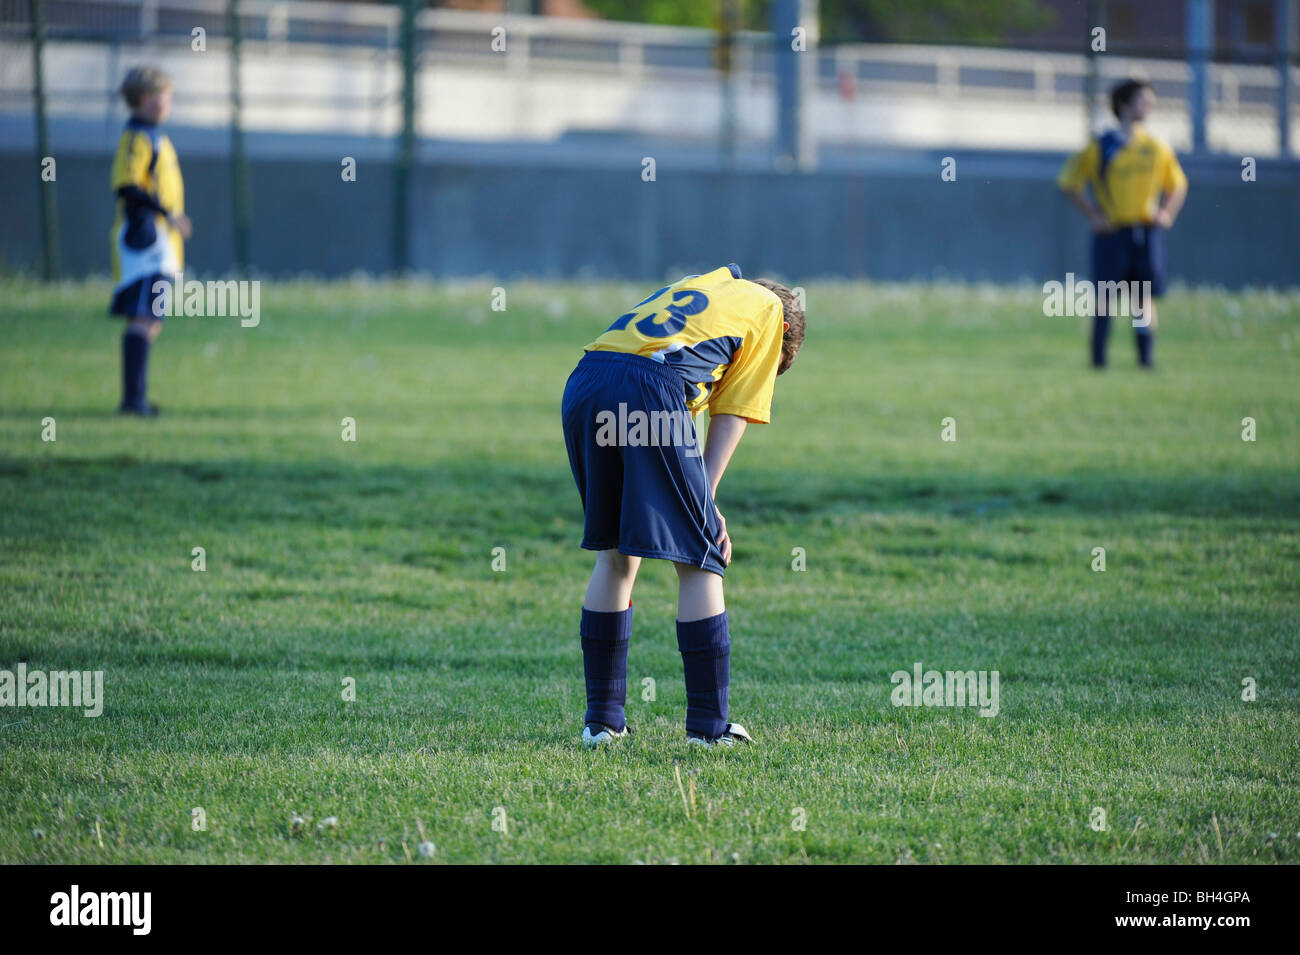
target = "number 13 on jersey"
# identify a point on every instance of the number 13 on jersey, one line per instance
(650, 323)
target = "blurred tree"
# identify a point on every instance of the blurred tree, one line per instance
(682, 13)
(931, 21)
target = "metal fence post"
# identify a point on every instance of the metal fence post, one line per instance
(1284, 24)
(1200, 44)
(796, 81)
(405, 158)
(725, 60)
(49, 207)
(1092, 80)
(238, 157)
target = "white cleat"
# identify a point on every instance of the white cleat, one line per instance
(598, 734)
(733, 734)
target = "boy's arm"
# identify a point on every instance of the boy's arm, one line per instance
(725, 431)
(1072, 180)
(138, 198)
(1175, 188)
(1170, 208)
(130, 166)
(135, 196)
(743, 395)
(1096, 218)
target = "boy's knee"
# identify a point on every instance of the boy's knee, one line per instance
(687, 572)
(617, 564)
(144, 327)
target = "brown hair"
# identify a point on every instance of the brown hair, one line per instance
(792, 312)
(1122, 94)
(141, 81)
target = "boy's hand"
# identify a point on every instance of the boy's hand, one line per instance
(1100, 224)
(1164, 219)
(181, 223)
(724, 540)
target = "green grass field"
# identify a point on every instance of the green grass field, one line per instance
(1120, 690)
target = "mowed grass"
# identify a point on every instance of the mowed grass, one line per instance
(1120, 690)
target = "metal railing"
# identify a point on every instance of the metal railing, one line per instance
(633, 53)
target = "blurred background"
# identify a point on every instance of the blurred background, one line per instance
(638, 138)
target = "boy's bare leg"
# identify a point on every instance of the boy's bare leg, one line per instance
(699, 593)
(149, 328)
(610, 589)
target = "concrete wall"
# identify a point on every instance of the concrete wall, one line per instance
(1009, 99)
(509, 214)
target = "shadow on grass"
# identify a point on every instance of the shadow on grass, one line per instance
(498, 496)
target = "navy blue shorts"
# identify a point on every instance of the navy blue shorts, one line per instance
(645, 491)
(137, 299)
(1130, 254)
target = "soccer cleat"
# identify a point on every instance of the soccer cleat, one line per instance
(146, 410)
(733, 734)
(598, 734)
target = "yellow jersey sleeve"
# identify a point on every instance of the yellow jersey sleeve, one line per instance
(746, 388)
(1173, 177)
(1080, 168)
(167, 173)
(131, 163)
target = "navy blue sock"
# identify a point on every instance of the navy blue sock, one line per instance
(135, 361)
(1146, 342)
(706, 659)
(605, 638)
(1100, 332)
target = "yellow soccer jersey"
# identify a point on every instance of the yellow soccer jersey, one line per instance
(146, 159)
(719, 332)
(1127, 178)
